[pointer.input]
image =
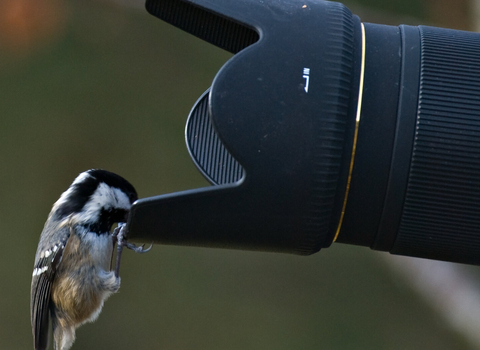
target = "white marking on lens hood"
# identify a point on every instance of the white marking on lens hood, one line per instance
(306, 76)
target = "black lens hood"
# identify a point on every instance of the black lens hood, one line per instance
(284, 108)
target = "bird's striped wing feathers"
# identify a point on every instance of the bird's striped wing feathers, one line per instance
(42, 279)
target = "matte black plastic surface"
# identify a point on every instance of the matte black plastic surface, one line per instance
(375, 135)
(403, 140)
(282, 107)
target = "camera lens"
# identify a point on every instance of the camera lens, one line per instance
(324, 129)
(415, 184)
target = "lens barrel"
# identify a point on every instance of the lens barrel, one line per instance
(431, 206)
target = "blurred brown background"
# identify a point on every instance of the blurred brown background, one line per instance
(86, 84)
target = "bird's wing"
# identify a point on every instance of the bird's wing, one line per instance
(46, 264)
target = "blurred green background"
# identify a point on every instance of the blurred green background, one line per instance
(91, 84)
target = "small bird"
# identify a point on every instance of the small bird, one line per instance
(72, 274)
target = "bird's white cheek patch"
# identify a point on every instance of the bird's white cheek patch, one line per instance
(104, 197)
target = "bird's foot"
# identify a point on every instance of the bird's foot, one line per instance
(119, 238)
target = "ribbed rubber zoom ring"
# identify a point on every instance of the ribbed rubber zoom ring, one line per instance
(441, 214)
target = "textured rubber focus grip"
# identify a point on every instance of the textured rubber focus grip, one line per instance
(441, 214)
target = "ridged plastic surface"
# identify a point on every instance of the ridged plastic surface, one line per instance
(207, 151)
(441, 213)
(215, 29)
(330, 130)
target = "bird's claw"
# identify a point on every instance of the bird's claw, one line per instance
(119, 238)
(137, 249)
(115, 234)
